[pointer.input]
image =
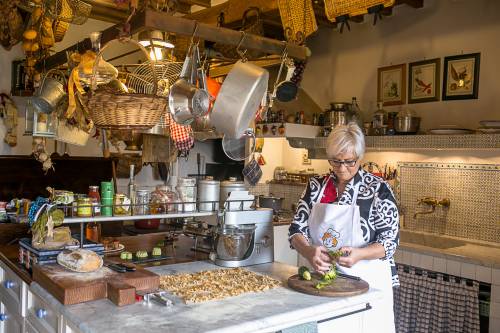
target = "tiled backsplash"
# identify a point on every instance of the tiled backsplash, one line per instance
(290, 193)
(473, 190)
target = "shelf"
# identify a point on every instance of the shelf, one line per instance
(73, 220)
(316, 146)
(291, 130)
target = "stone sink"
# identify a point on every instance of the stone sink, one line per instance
(429, 240)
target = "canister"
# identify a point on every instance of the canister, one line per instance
(186, 187)
(208, 194)
(227, 186)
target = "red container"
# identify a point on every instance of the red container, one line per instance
(147, 224)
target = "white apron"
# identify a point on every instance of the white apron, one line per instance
(335, 226)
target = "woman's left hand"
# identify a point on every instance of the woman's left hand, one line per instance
(351, 256)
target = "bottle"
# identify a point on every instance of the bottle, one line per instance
(96, 200)
(131, 188)
(379, 117)
(355, 115)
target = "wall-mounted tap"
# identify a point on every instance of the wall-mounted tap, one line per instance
(433, 202)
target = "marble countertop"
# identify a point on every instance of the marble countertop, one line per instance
(268, 311)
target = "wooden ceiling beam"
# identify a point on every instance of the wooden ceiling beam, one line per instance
(201, 3)
(411, 3)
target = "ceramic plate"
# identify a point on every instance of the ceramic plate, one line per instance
(490, 123)
(450, 131)
(119, 249)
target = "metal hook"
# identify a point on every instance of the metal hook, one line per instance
(241, 53)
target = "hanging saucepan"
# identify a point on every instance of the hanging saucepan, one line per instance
(239, 99)
(287, 90)
(186, 101)
(50, 92)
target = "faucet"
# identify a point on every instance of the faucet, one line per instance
(433, 202)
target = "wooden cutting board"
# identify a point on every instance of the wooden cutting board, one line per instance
(340, 287)
(71, 288)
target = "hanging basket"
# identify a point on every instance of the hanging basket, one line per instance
(111, 110)
(339, 8)
(298, 19)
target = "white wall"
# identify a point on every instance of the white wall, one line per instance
(346, 64)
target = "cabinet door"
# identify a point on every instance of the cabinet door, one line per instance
(13, 290)
(41, 315)
(29, 328)
(9, 321)
(352, 323)
(282, 251)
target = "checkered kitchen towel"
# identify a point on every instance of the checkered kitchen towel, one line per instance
(433, 302)
(181, 135)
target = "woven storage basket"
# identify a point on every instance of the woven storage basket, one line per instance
(298, 19)
(336, 8)
(125, 110)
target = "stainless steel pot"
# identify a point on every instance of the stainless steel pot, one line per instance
(407, 125)
(275, 203)
(209, 191)
(239, 99)
(233, 241)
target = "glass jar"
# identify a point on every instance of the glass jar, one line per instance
(162, 200)
(186, 187)
(93, 232)
(95, 197)
(84, 207)
(379, 117)
(141, 205)
(121, 205)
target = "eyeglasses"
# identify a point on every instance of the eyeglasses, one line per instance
(347, 163)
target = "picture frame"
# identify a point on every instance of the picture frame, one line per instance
(424, 81)
(391, 87)
(461, 76)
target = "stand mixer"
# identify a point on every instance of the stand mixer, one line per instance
(244, 238)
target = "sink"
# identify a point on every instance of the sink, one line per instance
(428, 239)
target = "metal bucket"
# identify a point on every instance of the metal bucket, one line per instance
(49, 94)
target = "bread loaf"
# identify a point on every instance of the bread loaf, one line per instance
(79, 260)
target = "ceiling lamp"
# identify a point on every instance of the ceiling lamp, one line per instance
(154, 40)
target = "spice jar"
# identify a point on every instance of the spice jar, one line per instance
(162, 199)
(84, 207)
(93, 232)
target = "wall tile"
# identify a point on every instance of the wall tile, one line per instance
(468, 271)
(494, 325)
(469, 216)
(483, 274)
(495, 276)
(439, 264)
(494, 311)
(495, 293)
(426, 262)
(398, 256)
(453, 267)
(407, 257)
(415, 259)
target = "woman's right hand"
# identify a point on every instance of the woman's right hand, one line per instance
(318, 258)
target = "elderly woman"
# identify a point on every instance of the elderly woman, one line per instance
(354, 212)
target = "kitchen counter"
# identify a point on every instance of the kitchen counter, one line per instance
(454, 248)
(268, 311)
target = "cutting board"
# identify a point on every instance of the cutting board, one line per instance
(71, 288)
(340, 287)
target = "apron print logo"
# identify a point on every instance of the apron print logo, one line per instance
(330, 238)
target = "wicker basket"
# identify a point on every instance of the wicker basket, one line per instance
(298, 19)
(113, 110)
(336, 8)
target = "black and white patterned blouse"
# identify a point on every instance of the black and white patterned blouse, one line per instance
(377, 206)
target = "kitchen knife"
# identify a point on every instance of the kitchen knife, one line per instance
(347, 276)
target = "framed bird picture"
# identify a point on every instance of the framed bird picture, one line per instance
(423, 82)
(461, 76)
(391, 87)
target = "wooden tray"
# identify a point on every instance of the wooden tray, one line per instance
(340, 287)
(71, 288)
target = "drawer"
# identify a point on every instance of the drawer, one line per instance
(41, 316)
(10, 322)
(69, 328)
(13, 291)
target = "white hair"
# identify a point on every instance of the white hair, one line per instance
(346, 139)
